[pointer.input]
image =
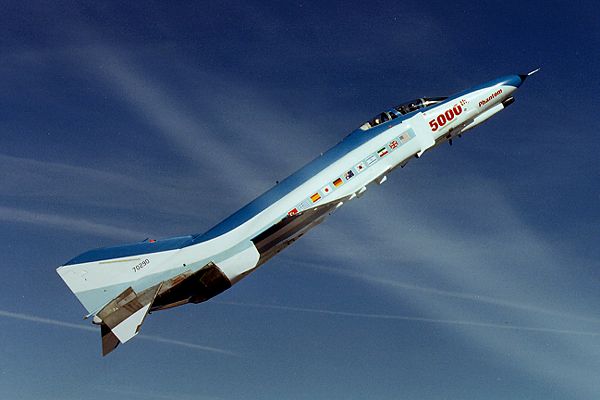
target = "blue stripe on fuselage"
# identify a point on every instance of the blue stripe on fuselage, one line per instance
(107, 253)
(349, 143)
(276, 193)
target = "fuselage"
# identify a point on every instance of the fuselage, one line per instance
(252, 235)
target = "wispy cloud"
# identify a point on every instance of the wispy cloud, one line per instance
(221, 130)
(194, 346)
(67, 223)
(477, 324)
(157, 339)
(479, 298)
(33, 181)
(46, 321)
(189, 136)
(497, 252)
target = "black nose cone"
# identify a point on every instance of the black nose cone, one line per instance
(525, 76)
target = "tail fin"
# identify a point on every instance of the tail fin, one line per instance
(97, 283)
(98, 276)
(103, 280)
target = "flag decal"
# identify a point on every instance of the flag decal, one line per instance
(371, 160)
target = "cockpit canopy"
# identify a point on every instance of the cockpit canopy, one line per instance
(402, 109)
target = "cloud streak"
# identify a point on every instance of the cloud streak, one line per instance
(477, 324)
(186, 134)
(453, 294)
(10, 214)
(156, 339)
(28, 180)
(496, 252)
(222, 129)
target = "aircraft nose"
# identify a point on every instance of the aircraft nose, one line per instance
(517, 80)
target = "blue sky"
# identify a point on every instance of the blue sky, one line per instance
(472, 273)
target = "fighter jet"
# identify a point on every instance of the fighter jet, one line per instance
(119, 286)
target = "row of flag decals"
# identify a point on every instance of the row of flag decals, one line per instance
(395, 143)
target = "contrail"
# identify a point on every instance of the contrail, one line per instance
(179, 127)
(158, 339)
(187, 344)
(410, 318)
(458, 295)
(73, 224)
(47, 321)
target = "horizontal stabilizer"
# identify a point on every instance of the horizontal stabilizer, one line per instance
(122, 318)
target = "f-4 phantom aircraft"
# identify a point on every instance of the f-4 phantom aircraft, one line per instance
(120, 285)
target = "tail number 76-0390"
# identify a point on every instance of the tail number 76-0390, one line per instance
(445, 117)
